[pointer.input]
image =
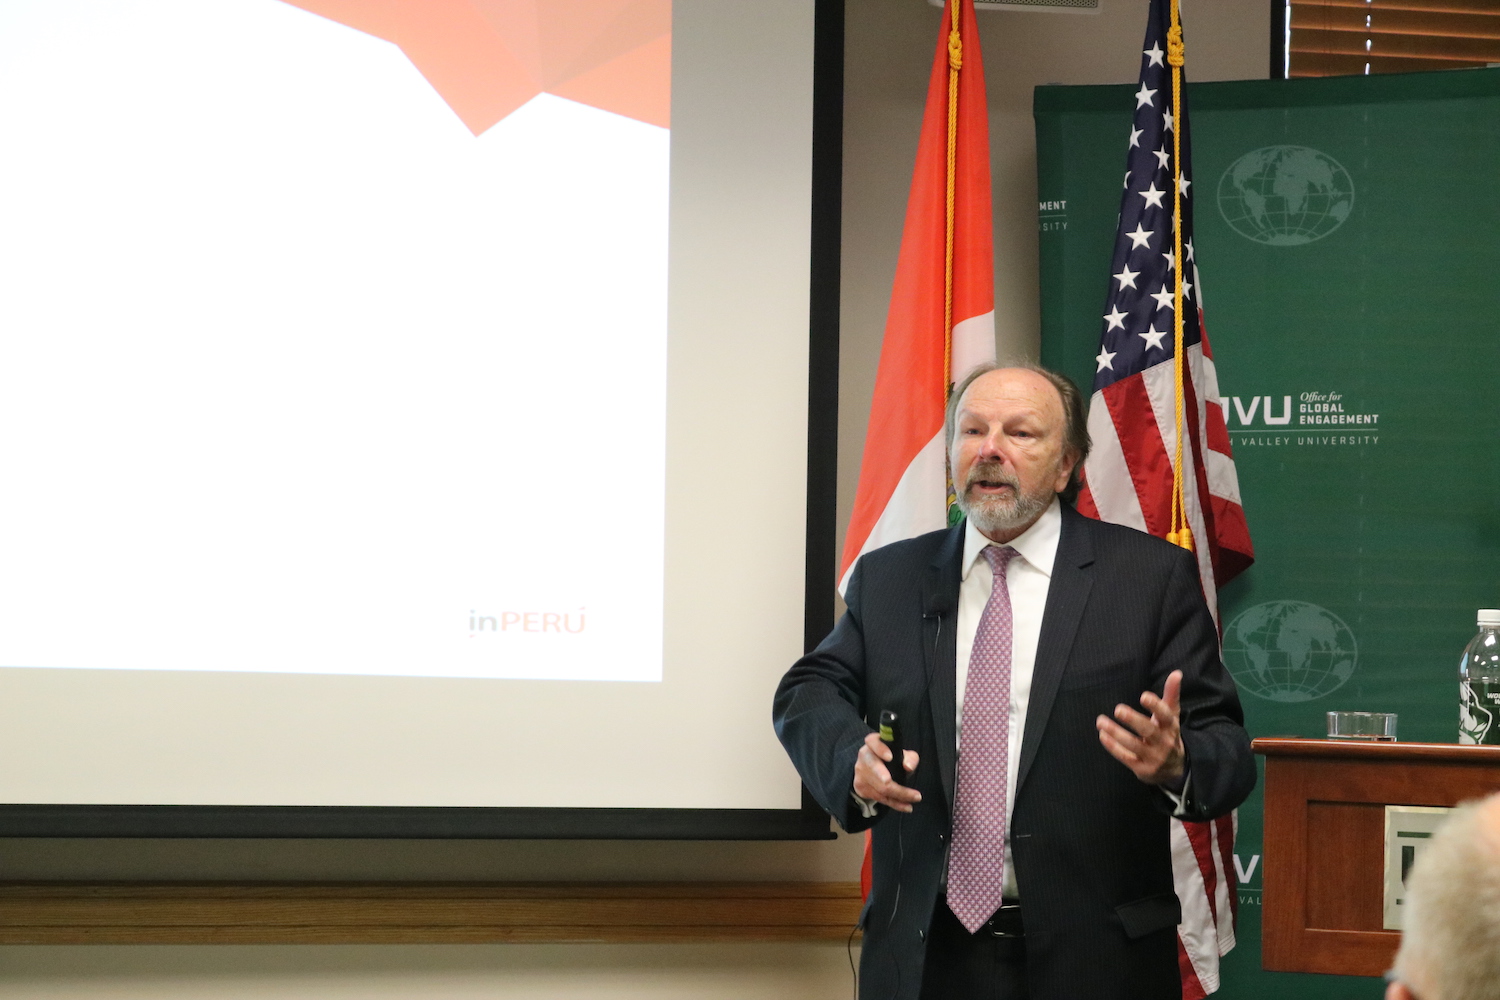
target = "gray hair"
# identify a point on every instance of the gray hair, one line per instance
(1450, 948)
(1075, 427)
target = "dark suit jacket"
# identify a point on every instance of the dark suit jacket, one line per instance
(1090, 841)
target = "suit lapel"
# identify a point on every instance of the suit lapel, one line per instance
(1067, 596)
(940, 584)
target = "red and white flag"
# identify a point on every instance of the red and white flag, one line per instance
(944, 279)
(1161, 459)
(941, 321)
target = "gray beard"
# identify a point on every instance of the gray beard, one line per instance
(998, 514)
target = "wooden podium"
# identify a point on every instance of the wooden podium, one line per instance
(1323, 889)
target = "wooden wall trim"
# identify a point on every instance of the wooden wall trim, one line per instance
(423, 913)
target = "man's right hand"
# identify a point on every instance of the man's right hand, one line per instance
(872, 777)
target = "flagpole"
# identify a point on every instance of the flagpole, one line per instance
(1180, 534)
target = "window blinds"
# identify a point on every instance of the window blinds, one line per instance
(1343, 37)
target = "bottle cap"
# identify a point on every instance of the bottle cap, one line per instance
(1489, 616)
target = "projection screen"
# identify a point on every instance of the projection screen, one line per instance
(406, 414)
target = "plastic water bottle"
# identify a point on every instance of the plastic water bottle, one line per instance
(1479, 683)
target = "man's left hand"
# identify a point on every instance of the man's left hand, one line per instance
(1150, 745)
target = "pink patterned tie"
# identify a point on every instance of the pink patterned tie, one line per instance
(976, 866)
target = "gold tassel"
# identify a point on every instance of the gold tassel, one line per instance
(1182, 537)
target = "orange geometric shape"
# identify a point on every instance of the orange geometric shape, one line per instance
(486, 58)
(627, 84)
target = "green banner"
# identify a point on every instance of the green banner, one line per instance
(1348, 242)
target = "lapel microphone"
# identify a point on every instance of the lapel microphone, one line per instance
(940, 605)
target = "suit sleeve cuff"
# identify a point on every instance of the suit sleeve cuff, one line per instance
(1181, 798)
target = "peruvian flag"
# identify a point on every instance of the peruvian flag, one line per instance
(903, 479)
(1133, 422)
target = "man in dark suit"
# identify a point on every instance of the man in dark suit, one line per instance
(1037, 861)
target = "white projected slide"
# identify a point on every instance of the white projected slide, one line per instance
(298, 374)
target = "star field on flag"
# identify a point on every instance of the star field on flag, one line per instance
(1138, 317)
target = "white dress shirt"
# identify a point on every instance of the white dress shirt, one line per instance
(1028, 578)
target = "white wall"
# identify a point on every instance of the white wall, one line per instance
(890, 46)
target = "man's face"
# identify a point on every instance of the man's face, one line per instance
(1008, 455)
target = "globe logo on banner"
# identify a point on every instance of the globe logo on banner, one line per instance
(1285, 196)
(1289, 651)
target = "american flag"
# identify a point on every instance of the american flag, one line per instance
(1133, 424)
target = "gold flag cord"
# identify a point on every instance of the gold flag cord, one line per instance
(955, 63)
(1180, 534)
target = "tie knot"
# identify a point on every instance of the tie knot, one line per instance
(999, 557)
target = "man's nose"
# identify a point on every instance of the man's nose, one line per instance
(990, 449)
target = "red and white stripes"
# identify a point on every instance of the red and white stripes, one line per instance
(1128, 476)
(1128, 480)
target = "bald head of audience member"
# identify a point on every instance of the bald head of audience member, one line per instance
(1450, 947)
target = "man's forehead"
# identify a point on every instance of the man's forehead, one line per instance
(1013, 387)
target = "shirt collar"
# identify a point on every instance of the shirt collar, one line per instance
(1037, 544)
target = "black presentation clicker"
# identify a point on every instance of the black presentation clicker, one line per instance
(890, 734)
